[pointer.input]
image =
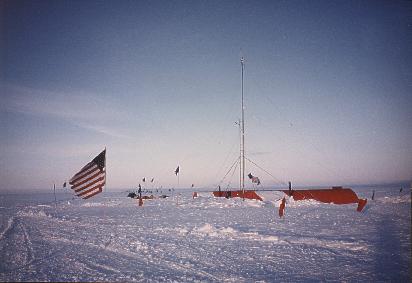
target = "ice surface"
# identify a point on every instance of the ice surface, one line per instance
(111, 238)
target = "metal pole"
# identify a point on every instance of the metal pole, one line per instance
(242, 62)
(240, 154)
(55, 200)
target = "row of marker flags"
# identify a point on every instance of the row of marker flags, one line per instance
(91, 179)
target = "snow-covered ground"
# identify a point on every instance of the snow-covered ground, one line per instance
(110, 238)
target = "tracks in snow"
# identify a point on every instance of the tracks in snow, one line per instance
(16, 247)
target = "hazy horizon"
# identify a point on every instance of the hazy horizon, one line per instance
(406, 185)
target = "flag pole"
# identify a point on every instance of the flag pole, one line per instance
(105, 178)
(177, 196)
(178, 184)
(54, 191)
(177, 172)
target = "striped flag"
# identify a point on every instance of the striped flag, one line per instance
(254, 178)
(91, 179)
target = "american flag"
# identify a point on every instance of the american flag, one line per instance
(91, 179)
(254, 179)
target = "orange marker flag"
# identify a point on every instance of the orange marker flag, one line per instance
(282, 207)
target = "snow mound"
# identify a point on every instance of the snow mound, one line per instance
(208, 230)
(396, 199)
(99, 204)
(253, 203)
(32, 213)
(228, 230)
(92, 204)
(43, 205)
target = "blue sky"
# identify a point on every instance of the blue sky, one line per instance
(327, 91)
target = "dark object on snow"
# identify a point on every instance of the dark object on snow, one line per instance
(131, 195)
(228, 194)
(290, 189)
(148, 197)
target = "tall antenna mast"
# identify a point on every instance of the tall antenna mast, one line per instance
(240, 153)
(242, 63)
